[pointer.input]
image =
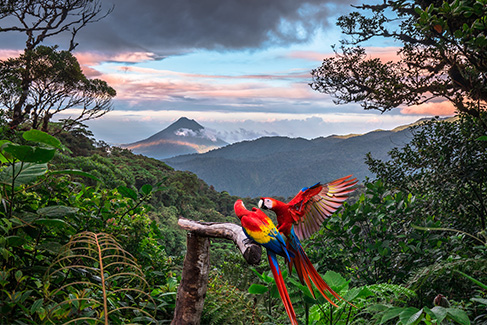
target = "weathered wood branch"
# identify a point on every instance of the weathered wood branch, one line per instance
(194, 280)
(250, 250)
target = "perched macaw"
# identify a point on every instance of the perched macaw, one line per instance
(258, 227)
(303, 216)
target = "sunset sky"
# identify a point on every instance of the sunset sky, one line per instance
(238, 67)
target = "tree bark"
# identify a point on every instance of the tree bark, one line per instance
(194, 280)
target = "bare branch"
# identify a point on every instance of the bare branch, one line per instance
(250, 251)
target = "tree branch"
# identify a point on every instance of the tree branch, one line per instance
(194, 279)
(250, 251)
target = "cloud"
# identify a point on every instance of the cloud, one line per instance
(170, 27)
(244, 125)
(383, 53)
(444, 108)
(204, 134)
(6, 53)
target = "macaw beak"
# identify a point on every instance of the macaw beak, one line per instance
(261, 205)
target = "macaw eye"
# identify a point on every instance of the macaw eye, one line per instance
(268, 203)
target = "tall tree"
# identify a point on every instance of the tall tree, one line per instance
(444, 163)
(443, 55)
(39, 20)
(57, 84)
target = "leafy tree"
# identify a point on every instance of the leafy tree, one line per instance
(444, 55)
(373, 239)
(40, 20)
(57, 84)
(444, 163)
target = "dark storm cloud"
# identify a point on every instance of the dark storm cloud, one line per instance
(170, 27)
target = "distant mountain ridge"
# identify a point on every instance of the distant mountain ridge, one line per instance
(185, 136)
(280, 166)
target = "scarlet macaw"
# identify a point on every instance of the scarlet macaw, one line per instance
(258, 227)
(303, 216)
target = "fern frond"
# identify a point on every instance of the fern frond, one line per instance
(95, 280)
(433, 272)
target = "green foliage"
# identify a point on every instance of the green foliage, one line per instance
(358, 306)
(445, 163)
(425, 315)
(226, 304)
(42, 210)
(373, 239)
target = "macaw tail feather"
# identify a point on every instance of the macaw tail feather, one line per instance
(281, 287)
(306, 272)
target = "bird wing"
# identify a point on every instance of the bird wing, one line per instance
(312, 205)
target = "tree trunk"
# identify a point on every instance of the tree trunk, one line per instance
(194, 281)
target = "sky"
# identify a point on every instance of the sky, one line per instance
(240, 68)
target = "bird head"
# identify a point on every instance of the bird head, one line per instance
(266, 203)
(240, 209)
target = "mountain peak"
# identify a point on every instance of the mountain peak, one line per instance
(184, 136)
(185, 123)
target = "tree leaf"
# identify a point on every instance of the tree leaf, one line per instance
(410, 316)
(56, 211)
(42, 137)
(29, 153)
(127, 192)
(4, 157)
(477, 282)
(274, 291)
(56, 223)
(15, 241)
(480, 300)
(258, 289)
(335, 281)
(146, 189)
(458, 316)
(36, 305)
(440, 313)
(25, 173)
(391, 313)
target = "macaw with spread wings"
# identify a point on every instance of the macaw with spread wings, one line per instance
(302, 217)
(258, 227)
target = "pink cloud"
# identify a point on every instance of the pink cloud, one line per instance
(151, 71)
(383, 53)
(94, 58)
(88, 60)
(5, 53)
(444, 108)
(168, 89)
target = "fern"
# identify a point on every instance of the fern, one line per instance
(385, 290)
(94, 280)
(434, 272)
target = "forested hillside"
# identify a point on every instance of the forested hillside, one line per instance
(281, 165)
